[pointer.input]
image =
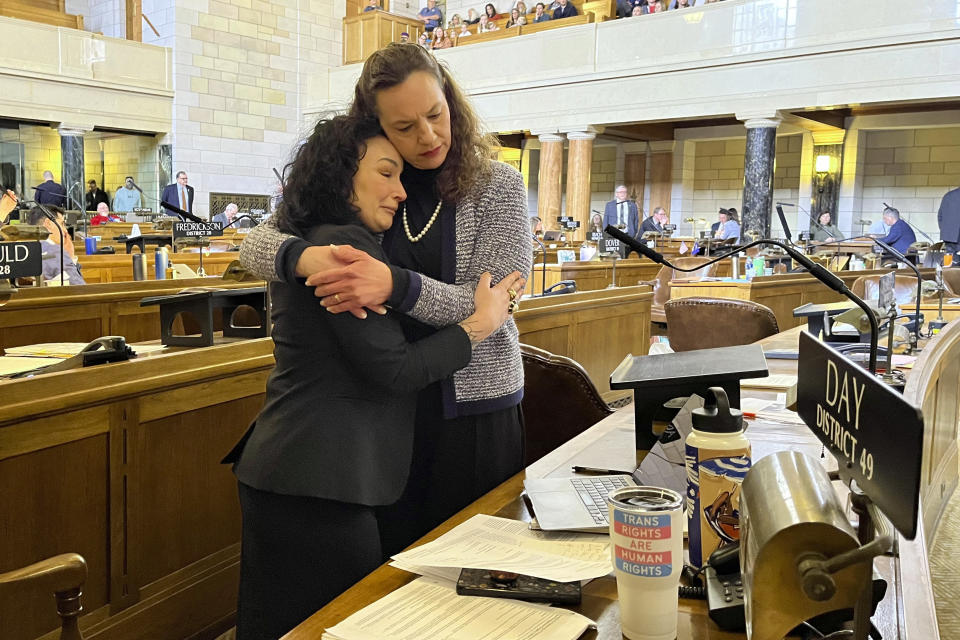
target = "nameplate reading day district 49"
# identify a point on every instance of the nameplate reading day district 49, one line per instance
(875, 434)
(20, 259)
(196, 229)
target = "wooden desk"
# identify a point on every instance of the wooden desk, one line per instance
(594, 274)
(782, 293)
(119, 267)
(595, 328)
(121, 463)
(907, 611)
(372, 30)
(83, 313)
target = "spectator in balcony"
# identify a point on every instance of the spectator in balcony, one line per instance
(424, 41)
(487, 24)
(472, 17)
(440, 39)
(464, 30)
(564, 10)
(539, 14)
(430, 16)
(637, 11)
(654, 6)
(514, 20)
(491, 12)
(404, 37)
(521, 6)
(455, 23)
(372, 5)
(681, 4)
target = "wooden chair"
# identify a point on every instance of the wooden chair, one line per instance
(64, 575)
(705, 323)
(559, 401)
(661, 284)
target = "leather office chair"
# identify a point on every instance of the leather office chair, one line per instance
(559, 401)
(705, 323)
(661, 284)
(64, 575)
(951, 278)
(904, 288)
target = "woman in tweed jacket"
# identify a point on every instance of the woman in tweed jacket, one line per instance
(464, 215)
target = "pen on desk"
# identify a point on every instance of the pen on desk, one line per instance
(749, 415)
(609, 472)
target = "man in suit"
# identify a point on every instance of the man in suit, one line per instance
(95, 196)
(948, 218)
(655, 222)
(179, 194)
(901, 235)
(565, 10)
(229, 215)
(50, 192)
(623, 214)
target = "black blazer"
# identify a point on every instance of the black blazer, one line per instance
(650, 224)
(338, 418)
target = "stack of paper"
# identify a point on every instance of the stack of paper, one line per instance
(428, 608)
(488, 542)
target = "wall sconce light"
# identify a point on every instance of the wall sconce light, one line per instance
(823, 164)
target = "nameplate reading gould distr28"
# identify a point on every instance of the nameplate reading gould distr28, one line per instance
(20, 259)
(196, 229)
(875, 434)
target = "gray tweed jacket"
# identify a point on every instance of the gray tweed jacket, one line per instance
(492, 234)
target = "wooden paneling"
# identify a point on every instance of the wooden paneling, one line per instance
(595, 328)
(36, 13)
(146, 502)
(661, 181)
(367, 32)
(593, 275)
(635, 175)
(119, 267)
(78, 314)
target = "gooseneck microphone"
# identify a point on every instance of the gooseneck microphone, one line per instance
(915, 339)
(543, 277)
(241, 217)
(817, 271)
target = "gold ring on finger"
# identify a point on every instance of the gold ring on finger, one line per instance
(336, 297)
(512, 294)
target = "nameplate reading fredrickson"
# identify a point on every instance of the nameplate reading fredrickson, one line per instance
(196, 229)
(20, 259)
(875, 434)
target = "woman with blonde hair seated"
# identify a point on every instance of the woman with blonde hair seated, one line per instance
(472, 17)
(515, 17)
(440, 39)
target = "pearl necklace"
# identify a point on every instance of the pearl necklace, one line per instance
(406, 225)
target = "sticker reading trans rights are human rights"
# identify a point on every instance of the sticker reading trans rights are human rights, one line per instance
(642, 544)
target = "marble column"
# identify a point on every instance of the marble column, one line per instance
(164, 171)
(758, 163)
(548, 179)
(72, 175)
(579, 166)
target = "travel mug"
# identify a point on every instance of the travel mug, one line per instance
(646, 536)
(139, 266)
(90, 245)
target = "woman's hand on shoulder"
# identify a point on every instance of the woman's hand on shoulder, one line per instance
(492, 305)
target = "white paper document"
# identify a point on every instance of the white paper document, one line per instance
(427, 608)
(488, 542)
(782, 381)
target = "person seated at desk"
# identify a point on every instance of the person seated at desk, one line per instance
(51, 247)
(655, 222)
(103, 215)
(827, 231)
(728, 227)
(901, 236)
(229, 215)
(333, 444)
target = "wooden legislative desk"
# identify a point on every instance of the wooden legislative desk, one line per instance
(594, 274)
(120, 463)
(84, 313)
(782, 293)
(119, 267)
(907, 612)
(595, 328)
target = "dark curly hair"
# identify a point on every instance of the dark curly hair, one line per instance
(468, 162)
(318, 183)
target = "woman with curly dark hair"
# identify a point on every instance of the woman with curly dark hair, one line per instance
(331, 445)
(464, 214)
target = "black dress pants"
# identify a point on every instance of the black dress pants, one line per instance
(297, 554)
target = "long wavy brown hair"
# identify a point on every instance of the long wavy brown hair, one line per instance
(467, 166)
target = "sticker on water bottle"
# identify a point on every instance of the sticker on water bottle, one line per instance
(641, 555)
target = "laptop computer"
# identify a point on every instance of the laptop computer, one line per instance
(579, 503)
(551, 236)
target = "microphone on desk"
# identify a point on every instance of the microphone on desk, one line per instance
(902, 259)
(543, 277)
(241, 217)
(817, 271)
(184, 215)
